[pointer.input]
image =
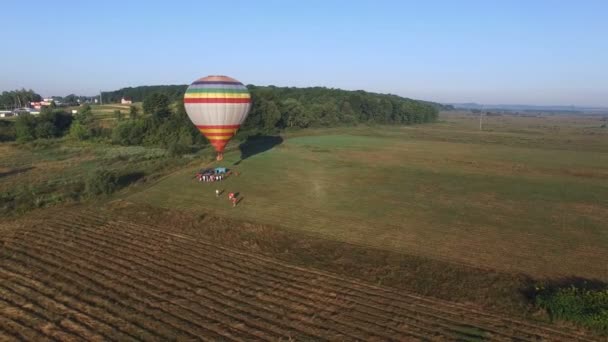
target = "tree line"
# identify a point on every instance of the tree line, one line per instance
(138, 94)
(285, 107)
(18, 98)
(165, 123)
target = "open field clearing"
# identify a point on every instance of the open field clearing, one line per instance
(51, 172)
(528, 195)
(86, 275)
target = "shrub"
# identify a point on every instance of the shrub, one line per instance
(78, 131)
(129, 133)
(25, 128)
(7, 130)
(587, 307)
(101, 182)
(45, 130)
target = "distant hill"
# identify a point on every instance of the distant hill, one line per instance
(531, 108)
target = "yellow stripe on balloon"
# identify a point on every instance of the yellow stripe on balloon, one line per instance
(216, 137)
(217, 130)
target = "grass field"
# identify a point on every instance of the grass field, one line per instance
(528, 194)
(48, 172)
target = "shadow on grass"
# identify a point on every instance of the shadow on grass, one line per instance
(15, 171)
(129, 178)
(257, 144)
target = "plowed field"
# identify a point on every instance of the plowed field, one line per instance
(85, 276)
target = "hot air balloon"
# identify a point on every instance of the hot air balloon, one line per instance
(218, 106)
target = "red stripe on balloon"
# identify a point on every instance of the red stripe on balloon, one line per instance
(217, 100)
(218, 144)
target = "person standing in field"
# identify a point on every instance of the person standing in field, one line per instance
(217, 193)
(230, 196)
(234, 202)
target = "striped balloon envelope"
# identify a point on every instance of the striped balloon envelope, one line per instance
(218, 106)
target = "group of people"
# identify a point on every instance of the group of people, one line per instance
(210, 178)
(232, 197)
(215, 175)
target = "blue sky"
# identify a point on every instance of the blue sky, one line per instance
(525, 52)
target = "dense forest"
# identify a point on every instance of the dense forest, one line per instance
(283, 107)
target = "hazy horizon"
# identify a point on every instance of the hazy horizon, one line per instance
(540, 53)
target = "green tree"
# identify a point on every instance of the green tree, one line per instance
(271, 115)
(18, 98)
(79, 131)
(157, 105)
(71, 99)
(58, 119)
(25, 128)
(45, 130)
(130, 132)
(290, 110)
(7, 130)
(101, 182)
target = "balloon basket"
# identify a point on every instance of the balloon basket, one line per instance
(220, 156)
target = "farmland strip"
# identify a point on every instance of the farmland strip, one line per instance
(291, 298)
(490, 319)
(48, 247)
(69, 304)
(28, 323)
(34, 306)
(290, 281)
(220, 293)
(135, 307)
(545, 331)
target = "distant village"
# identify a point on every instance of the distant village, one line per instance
(34, 108)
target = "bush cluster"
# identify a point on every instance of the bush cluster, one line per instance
(587, 307)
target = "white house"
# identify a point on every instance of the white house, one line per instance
(126, 100)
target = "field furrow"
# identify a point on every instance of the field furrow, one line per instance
(20, 323)
(303, 316)
(492, 326)
(134, 283)
(88, 297)
(274, 286)
(155, 318)
(86, 276)
(355, 310)
(40, 306)
(106, 324)
(521, 333)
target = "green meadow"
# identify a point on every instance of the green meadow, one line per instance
(526, 194)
